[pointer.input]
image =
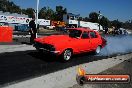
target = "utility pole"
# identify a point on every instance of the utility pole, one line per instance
(99, 20)
(37, 15)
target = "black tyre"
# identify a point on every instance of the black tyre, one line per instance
(98, 49)
(66, 55)
(39, 50)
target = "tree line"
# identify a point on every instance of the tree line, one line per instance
(48, 13)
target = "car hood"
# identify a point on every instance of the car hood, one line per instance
(54, 39)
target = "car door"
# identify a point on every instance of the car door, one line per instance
(84, 44)
(94, 40)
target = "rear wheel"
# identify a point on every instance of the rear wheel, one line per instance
(98, 49)
(66, 56)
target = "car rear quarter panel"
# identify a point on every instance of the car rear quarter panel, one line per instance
(102, 41)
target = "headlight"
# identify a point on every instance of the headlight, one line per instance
(50, 47)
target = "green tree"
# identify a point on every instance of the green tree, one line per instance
(9, 6)
(93, 16)
(116, 23)
(60, 12)
(42, 13)
(127, 24)
(50, 14)
(30, 12)
(104, 22)
(86, 19)
(46, 13)
(23, 11)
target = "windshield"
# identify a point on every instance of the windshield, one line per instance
(74, 33)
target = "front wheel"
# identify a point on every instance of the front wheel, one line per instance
(66, 56)
(98, 49)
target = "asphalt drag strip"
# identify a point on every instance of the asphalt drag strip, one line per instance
(67, 77)
(22, 65)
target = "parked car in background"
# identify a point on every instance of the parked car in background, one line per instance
(77, 40)
(22, 27)
(50, 27)
(4, 24)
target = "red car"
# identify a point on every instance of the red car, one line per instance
(78, 40)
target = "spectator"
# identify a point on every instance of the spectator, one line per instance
(106, 30)
(32, 30)
(116, 31)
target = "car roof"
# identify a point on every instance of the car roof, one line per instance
(81, 29)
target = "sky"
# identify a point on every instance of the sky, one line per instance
(112, 9)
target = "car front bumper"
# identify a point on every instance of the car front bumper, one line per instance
(46, 51)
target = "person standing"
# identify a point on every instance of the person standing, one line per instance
(32, 30)
(106, 30)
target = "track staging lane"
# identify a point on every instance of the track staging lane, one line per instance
(19, 66)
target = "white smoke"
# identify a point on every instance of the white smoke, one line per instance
(119, 44)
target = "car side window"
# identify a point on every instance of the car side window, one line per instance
(85, 35)
(93, 35)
